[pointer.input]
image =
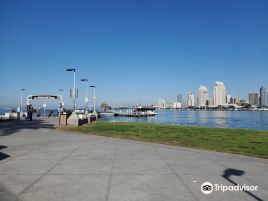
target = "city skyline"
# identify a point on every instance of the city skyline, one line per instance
(219, 97)
(134, 51)
(188, 99)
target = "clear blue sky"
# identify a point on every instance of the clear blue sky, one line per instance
(133, 51)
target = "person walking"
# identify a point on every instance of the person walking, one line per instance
(30, 112)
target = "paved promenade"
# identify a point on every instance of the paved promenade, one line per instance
(39, 163)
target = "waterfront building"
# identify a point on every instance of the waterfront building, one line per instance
(263, 97)
(161, 104)
(266, 95)
(176, 105)
(202, 96)
(243, 102)
(190, 100)
(231, 100)
(219, 94)
(228, 99)
(237, 100)
(211, 102)
(253, 98)
(179, 98)
(169, 104)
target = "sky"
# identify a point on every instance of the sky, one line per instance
(133, 51)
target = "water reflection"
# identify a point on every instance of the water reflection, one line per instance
(220, 118)
(203, 117)
(231, 119)
(190, 117)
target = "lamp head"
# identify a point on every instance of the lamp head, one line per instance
(70, 69)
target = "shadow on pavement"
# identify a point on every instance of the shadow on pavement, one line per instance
(234, 172)
(12, 127)
(6, 195)
(3, 155)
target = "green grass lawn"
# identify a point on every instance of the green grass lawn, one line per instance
(239, 141)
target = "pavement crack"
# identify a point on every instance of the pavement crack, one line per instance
(174, 172)
(46, 173)
(111, 173)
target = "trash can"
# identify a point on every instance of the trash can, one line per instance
(63, 119)
(93, 118)
(18, 113)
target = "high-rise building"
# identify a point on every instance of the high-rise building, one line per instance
(219, 94)
(179, 98)
(228, 99)
(210, 102)
(161, 104)
(263, 97)
(202, 96)
(266, 95)
(237, 100)
(254, 98)
(190, 101)
(231, 100)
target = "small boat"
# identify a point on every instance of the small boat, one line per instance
(106, 114)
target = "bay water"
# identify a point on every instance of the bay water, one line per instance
(256, 120)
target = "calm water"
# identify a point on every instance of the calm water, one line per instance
(228, 119)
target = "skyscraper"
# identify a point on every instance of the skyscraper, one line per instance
(179, 98)
(219, 94)
(190, 101)
(228, 99)
(253, 98)
(263, 97)
(202, 96)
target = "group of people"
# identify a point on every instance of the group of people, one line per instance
(30, 111)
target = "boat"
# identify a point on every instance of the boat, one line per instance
(106, 114)
(138, 112)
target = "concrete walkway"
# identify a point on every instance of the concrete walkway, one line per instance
(38, 163)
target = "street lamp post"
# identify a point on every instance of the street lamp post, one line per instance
(44, 106)
(62, 100)
(94, 98)
(21, 101)
(74, 90)
(86, 98)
